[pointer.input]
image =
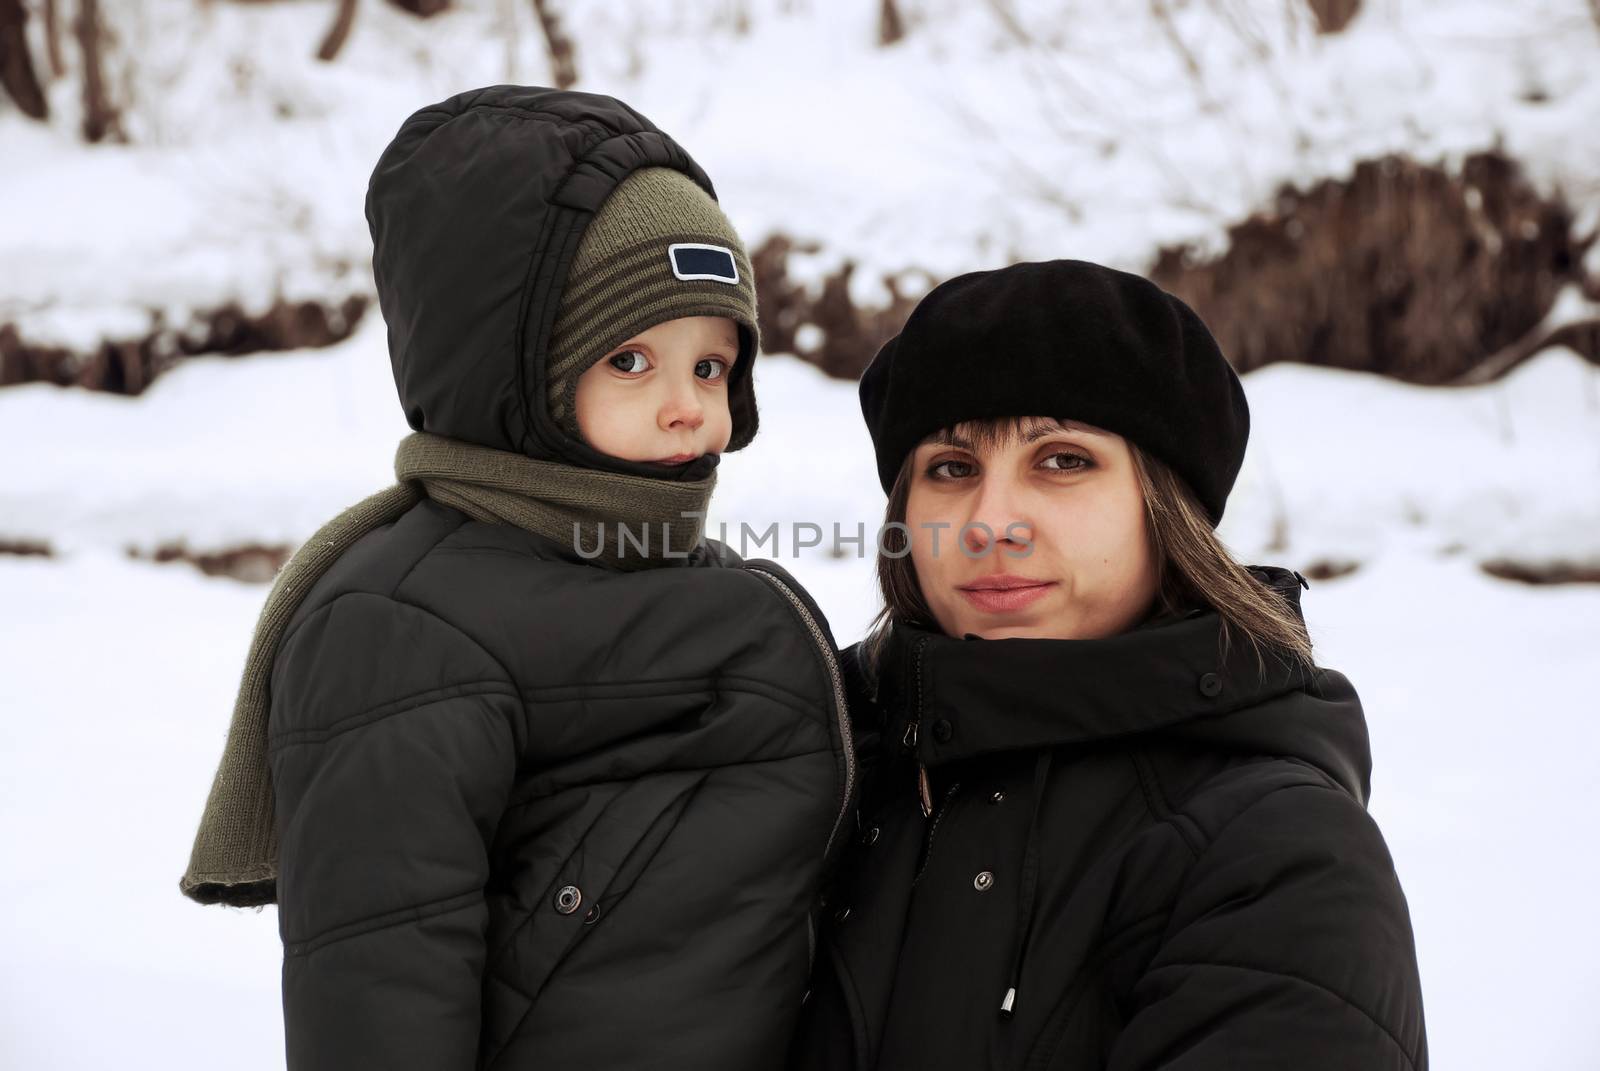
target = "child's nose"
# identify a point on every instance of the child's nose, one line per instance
(682, 410)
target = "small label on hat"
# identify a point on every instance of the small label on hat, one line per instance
(690, 260)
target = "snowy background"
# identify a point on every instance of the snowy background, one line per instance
(993, 132)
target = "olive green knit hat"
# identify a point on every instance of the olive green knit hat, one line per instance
(660, 248)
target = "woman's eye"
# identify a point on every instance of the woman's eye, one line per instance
(950, 469)
(630, 361)
(712, 368)
(1069, 462)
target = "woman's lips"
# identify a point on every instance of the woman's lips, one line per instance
(676, 459)
(998, 595)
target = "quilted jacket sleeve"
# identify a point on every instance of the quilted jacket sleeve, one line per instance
(1290, 945)
(392, 745)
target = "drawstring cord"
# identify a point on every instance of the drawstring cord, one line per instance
(1029, 888)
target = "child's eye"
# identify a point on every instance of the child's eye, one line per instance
(712, 368)
(630, 361)
(950, 469)
(1066, 459)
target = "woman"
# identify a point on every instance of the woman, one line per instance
(1116, 816)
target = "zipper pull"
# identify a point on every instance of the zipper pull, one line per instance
(924, 790)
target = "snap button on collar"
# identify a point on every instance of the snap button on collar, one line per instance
(1210, 685)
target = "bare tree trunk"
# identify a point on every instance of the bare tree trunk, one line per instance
(563, 57)
(100, 118)
(339, 32)
(892, 28)
(52, 40)
(16, 65)
(1334, 15)
(422, 8)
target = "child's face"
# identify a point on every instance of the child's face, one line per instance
(663, 394)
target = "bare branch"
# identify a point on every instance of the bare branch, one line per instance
(892, 28)
(17, 76)
(100, 118)
(339, 32)
(563, 54)
(1334, 15)
(52, 40)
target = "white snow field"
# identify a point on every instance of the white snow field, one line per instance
(1014, 129)
(119, 675)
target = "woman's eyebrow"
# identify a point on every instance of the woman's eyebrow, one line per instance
(1033, 434)
(1040, 431)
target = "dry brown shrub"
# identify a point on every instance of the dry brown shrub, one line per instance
(1403, 268)
(128, 366)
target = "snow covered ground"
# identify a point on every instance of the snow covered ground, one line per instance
(971, 143)
(1342, 466)
(120, 675)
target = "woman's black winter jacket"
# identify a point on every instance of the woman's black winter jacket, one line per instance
(1140, 854)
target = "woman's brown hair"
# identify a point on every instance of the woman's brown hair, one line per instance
(1194, 568)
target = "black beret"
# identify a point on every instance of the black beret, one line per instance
(1065, 339)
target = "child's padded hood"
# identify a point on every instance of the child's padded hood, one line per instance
(476, 209)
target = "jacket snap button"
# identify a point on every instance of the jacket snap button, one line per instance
(1210, 684)
(590, 916)
(983, 882)
(842, 914)
(998, 796)
(568, 899)
(870, 837)
(942, 731)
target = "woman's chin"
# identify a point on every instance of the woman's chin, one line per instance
(1025, 627)
(1003, 627)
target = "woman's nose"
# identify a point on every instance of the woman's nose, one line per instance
(996, 518)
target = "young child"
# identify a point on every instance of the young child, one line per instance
(536, 774)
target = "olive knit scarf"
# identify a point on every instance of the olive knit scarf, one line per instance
(235, 855)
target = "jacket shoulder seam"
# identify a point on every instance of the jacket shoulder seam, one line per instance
(1276, 972)
(470, 638)
(394, 590)
(1157, 804)
(1194, 864)
(374, 714)
(383, 920)
(505, 672)
(390, 594)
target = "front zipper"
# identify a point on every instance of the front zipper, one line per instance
(927, 844)
(924, 788)
(909, 740)
(841, 703)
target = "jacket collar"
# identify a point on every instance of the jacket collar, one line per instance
(971, 697)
